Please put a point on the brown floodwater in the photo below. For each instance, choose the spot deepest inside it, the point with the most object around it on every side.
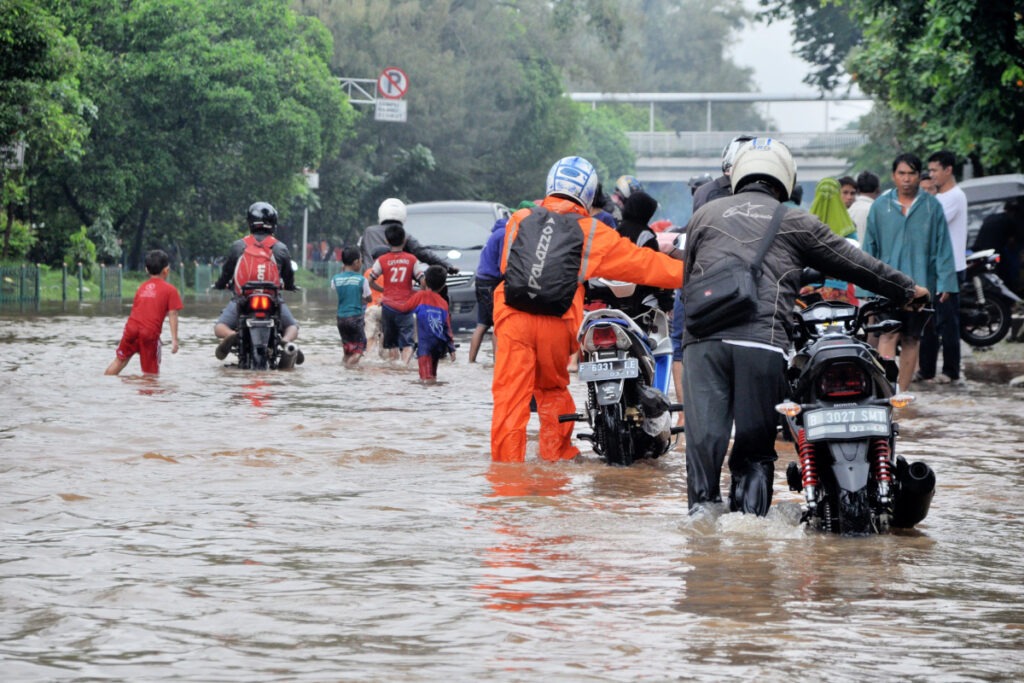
(331, 524)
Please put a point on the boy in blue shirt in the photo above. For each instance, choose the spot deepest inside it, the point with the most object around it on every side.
(353, 294)
(433, 325)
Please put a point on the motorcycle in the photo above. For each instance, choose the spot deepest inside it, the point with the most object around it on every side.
(986, 303)
(258, 342)
(626, 365)
(840, 417)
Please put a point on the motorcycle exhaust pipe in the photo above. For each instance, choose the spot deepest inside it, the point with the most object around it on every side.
(289, 353)
(917, 487)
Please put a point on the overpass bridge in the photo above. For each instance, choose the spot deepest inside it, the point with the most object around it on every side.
(675, 156)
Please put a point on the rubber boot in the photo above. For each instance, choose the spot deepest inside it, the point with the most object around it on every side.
(751, 489)
(224, 347)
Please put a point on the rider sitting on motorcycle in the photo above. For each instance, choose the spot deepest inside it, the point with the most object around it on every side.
(262, 219)
(637, 212)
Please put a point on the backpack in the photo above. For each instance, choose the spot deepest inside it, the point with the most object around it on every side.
(543, 262)
(257, 263)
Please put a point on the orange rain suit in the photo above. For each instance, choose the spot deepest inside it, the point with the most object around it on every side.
(532, 351)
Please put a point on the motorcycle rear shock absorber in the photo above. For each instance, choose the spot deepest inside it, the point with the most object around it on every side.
(808, 467)
(881, 465)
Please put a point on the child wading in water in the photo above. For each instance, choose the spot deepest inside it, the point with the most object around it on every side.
(399, 269)
(433, 325)
(353, 292)
(154, 300)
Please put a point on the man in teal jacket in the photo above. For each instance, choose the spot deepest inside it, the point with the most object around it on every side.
(907, 229)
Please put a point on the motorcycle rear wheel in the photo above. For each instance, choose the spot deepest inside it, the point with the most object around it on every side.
(618, 446)
(992, 323)
(852, 513)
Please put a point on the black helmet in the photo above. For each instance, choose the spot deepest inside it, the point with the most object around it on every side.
(262, 217)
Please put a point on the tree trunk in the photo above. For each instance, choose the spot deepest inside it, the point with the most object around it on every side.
(137, 257)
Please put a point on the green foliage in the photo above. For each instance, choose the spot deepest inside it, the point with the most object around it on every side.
(21, 239)
(81, 250)
(824, 33)
(604, 143)
(949, 72)
(206, 106)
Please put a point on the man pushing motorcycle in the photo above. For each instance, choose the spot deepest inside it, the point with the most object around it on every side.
(257, 257)
(736, 374)
(549, 251)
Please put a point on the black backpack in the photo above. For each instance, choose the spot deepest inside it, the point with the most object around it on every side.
(543, 262)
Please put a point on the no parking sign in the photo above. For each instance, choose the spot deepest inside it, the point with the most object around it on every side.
(392, 84)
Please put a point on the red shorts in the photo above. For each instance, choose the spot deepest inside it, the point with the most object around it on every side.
(132, 342)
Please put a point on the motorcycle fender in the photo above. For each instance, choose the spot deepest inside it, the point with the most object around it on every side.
(994, 284)
(259, 334)
(609, 392)
(850, 464)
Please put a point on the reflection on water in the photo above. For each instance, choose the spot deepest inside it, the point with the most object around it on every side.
(332, 524)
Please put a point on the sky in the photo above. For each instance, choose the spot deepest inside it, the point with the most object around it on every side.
(768, 50)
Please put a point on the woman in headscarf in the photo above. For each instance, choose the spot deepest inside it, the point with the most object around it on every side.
(829, 208)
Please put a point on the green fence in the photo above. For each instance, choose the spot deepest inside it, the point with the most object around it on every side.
(19, 284)
(24, 284)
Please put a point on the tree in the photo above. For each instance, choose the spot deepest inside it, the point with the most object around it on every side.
(824, 33)
(952, 71)
(42, 113)
(949, 72)
(203, 107)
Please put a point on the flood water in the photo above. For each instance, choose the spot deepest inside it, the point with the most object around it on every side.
(331, 524)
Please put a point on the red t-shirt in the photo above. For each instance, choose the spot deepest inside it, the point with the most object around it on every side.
(154, 298)
(398, 268)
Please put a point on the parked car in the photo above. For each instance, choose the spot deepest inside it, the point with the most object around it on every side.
(986, 196)
(456, 231)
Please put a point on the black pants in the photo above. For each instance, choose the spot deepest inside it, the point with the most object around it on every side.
(944, 332)
(726, 384)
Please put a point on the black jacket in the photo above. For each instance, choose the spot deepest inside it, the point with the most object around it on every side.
(735, 226)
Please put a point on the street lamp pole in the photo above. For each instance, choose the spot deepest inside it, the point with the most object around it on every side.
(313, 181)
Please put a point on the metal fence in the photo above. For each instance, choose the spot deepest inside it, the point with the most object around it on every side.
(19, 284)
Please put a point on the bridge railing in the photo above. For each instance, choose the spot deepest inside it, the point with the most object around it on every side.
(702, 144)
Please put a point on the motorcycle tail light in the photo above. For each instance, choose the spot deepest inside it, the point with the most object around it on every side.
(843, 380)
(605, 337)
(260, 302)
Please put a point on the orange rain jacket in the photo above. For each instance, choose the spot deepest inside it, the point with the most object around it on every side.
(532, 351)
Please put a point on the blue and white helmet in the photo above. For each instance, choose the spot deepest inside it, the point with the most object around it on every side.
(573, 178)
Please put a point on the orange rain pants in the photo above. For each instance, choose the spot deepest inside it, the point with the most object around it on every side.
(532, 351)
(532, 360)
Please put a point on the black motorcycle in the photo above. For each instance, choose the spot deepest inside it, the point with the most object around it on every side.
(986, 303)
(842, 395)
(258, 342)
(626, 364)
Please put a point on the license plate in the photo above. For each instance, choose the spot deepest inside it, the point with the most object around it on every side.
(846, 423)
(616, 368)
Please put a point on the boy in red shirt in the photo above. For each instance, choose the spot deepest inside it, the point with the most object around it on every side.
(399, 269)
(154, 300)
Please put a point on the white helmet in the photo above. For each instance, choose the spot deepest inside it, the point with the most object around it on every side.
(573, 178)
(764, 159)
(391, 209)
(729, 153)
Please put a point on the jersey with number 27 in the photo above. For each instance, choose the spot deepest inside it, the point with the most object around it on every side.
(399, 268)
